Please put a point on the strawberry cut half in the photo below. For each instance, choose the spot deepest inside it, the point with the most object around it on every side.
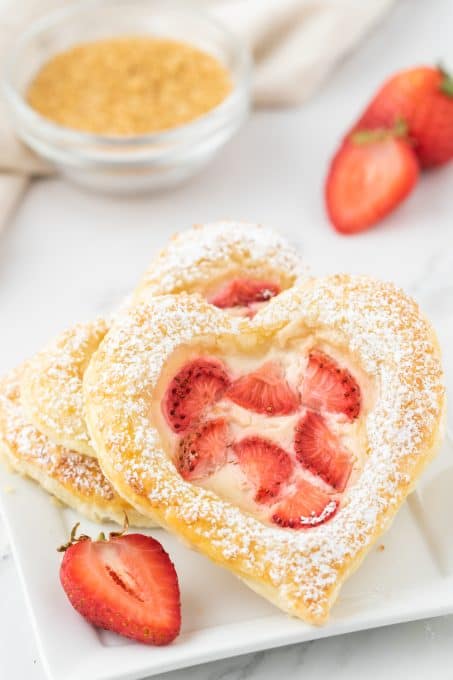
(328, 387)
(198, 384)
(265, 464)
(264, 391)
(305, 507)
(203, 450)
(318, 449)
(243, 293)
(370, 175)
(127, 584)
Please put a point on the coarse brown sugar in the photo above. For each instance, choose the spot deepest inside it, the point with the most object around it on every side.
(128, 85)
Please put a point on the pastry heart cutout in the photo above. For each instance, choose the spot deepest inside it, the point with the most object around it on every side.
(281, 447)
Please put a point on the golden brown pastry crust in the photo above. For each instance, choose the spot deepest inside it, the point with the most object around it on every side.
(72, 478)
(51, 386)
(384, 333)
(199, 259)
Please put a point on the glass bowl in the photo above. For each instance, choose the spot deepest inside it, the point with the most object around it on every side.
(126, 164)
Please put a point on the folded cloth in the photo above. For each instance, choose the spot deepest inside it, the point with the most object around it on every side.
(17, 163)
(4, 545)
(12, 186)
(295, 44)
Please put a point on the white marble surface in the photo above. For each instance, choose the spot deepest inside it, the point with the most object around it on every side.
(69, 255)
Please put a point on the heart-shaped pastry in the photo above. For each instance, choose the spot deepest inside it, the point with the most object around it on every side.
(281, 448)
(74, 479)
(237, 266)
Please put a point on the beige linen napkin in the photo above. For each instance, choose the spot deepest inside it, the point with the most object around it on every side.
(295, 44)
(17, 163)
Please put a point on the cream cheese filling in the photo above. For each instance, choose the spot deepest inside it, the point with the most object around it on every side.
(229, 482)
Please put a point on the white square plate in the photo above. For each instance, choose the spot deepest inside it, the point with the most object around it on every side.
(408, 575)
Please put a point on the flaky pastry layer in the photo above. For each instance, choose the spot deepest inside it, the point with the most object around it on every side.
(51, 386)
(74, 479)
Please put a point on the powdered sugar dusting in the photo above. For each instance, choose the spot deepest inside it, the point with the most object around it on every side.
(52, 385)
(194, 257)
(390, 341)
(26, 443)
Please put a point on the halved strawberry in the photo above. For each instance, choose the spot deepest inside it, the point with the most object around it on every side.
(198, 384)
(264, 391)
(203, 450)
(327, 386)
(126, 584)
(370, 175)
(319, 450)
(265, 465)
(306, 506)
(244, 292)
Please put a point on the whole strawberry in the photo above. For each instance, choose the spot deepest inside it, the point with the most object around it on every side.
(126, 584)
(423, 98)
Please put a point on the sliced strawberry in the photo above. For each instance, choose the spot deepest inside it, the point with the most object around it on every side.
(319, 451)
(198, 384)
(307, 506)
(264, 391)
(327, 386)
(244, 292)
(127, 584)
(203, 450)
(371, 174)
(266, 466)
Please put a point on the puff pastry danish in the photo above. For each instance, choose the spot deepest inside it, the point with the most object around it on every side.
(238, 266)
(74, 479)
(280, 447)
